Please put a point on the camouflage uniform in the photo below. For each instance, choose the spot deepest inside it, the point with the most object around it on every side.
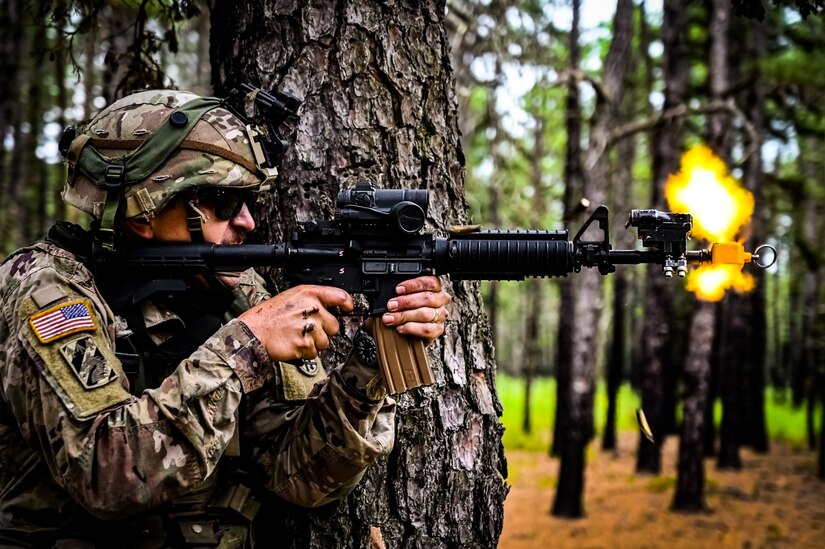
(87, 459)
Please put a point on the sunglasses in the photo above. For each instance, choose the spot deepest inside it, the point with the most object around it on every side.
(227, 203)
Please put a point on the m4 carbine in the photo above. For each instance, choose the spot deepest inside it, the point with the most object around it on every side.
(375, 241)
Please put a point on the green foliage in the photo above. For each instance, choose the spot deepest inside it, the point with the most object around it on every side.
(785, 422)
(543, 406)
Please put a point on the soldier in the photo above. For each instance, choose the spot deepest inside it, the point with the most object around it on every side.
(138, 413)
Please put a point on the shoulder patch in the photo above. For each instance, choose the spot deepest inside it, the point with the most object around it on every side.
(298, 381)
(87, 362)
(81, 369)
(48, 295)
(62, 320)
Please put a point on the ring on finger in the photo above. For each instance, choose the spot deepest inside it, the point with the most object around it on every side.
(436, 315)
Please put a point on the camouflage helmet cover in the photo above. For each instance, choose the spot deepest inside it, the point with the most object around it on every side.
(219, 155)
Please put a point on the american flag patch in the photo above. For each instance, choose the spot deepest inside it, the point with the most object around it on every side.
(66, 318)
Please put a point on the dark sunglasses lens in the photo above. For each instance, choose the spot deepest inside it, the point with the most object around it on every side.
(228, 204)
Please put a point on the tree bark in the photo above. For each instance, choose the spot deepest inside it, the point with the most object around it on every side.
(379, 105)
(658, 294)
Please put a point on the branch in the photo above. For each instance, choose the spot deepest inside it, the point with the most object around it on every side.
(576, 76)
(681, 111)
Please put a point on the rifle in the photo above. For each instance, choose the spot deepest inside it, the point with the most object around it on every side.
(375, 241)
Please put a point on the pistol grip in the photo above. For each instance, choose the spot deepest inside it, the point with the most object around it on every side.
(403, 359)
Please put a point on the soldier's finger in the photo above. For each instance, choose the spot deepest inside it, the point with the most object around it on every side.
(321, 340)
(420, 284)
(424, 315)
(334, 297)
(427, 331)
(419, 299)
(329, 323)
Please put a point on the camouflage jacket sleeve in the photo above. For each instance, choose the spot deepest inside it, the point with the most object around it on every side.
(115, 453)
(312, 435)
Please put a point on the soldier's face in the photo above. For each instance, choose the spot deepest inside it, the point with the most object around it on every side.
(170, 226)
(231, 231)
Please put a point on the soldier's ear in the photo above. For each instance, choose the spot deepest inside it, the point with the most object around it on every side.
(138, 227)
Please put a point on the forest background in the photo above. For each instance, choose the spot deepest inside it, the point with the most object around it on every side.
(562, 104)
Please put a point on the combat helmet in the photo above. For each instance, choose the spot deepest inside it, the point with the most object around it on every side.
(141, 151)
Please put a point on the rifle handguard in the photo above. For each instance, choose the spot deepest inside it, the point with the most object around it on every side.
(403, 360)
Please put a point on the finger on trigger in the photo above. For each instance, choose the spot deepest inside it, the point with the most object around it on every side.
(335, 297)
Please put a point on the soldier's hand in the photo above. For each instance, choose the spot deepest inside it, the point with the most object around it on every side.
(296, 324)
(419, 309)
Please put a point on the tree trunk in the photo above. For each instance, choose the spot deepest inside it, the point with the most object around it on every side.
(615, 360)
(617, 354)
(379, 105)
(60, 67)
(20, 167)
(11, 43)
(821, 458)
(203, 74)
(729, 382)
(534, 287)
(33, 213)
(495, 195)
(573, 186)
(756, 428)
(713, 386)
(658, 294)
(116, 22)
(698, 412)
(588, 300)
(811, 168)
(532, 355)
(690, 483)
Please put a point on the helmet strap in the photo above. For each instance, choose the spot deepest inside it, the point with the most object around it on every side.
(195, 222)
(113, 182)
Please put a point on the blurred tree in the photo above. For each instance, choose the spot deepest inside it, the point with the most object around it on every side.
(667, 142)
(12, 60)
(690, 485)
(573, 187)
(579, 428)
(534, 288)
(755, 432)
(625, 157)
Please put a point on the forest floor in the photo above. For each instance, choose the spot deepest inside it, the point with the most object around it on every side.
(776, 500)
